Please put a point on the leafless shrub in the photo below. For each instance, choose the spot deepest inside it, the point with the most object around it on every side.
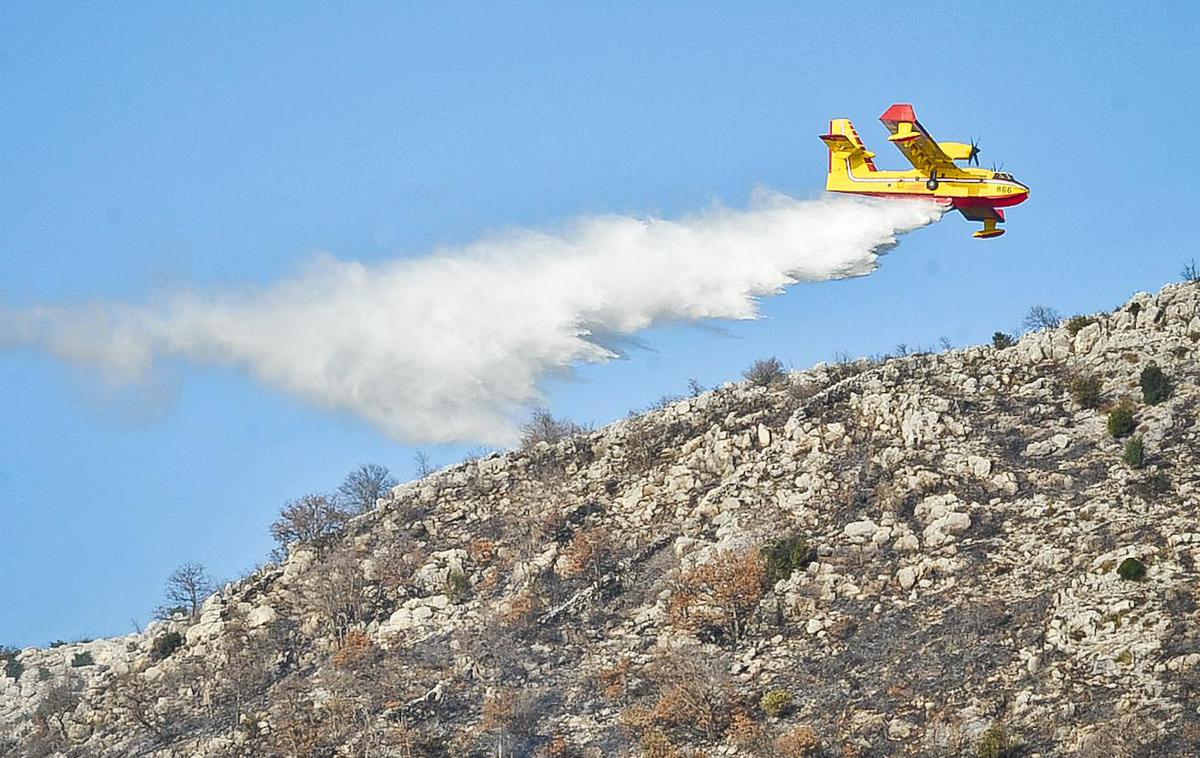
(1041, 317)
(745, 732)
(1190, 273)
(642, 444)
(798, 742)
(298, 727)
(356, 651)
(422, 465)
(482, 551)
(614, 681)
(765, 372)
(694, 698)
(521, 611)
(363, 486)
(156, 705)
(511, 713)
(543, 427)
(802, 390)
(395, 561)
(236, 680)
(339, 593)
(55, 711)
(313, 519)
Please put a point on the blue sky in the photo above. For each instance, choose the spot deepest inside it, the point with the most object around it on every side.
(145, 147)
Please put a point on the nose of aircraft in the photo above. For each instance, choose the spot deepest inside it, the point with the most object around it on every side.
(1022, 195)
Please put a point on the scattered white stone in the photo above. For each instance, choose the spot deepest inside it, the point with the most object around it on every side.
(261, 616)
(856, 529)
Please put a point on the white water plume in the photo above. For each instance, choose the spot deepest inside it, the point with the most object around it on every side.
(452, 346)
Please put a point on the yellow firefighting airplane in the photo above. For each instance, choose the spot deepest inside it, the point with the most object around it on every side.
(977, 193)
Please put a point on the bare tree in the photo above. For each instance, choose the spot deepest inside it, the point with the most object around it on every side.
(314, 519)
(187, 587)
(695, 388)
(364, 485)
(1042, 317)
(424, 467)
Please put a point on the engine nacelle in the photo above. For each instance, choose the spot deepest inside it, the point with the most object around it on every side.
(958, 151)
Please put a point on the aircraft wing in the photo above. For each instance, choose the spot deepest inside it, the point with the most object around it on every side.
(921, 150)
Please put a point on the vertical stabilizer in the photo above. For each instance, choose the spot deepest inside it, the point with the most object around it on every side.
(847, 153)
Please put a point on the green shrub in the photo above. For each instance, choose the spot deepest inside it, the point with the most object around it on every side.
(1085, 391)
(12, 667)
(1131, 569)
(1076, 323)
(82, 659)
(1134, 309)
(165, 644)
(1135, 452)
(784, 556)
(776, 703)
(58, 643)
(1120, 420)
(1000, 340)
(1156, 387)
(457, 586)
(765, 372)
(996, 743)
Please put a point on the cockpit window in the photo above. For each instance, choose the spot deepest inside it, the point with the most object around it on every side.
(1002, 175)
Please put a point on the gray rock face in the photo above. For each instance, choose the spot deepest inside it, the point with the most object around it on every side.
(953, 524)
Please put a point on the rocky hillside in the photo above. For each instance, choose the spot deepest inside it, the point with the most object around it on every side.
(985, 552)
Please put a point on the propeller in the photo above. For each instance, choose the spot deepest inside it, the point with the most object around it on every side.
(974, 156)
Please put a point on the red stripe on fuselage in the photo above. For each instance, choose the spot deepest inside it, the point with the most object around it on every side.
(998, 201)
(1002, 201)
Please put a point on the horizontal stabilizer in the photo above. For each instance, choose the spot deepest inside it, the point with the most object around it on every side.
(837, 141)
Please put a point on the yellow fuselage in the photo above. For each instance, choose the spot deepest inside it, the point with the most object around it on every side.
(965, 188)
